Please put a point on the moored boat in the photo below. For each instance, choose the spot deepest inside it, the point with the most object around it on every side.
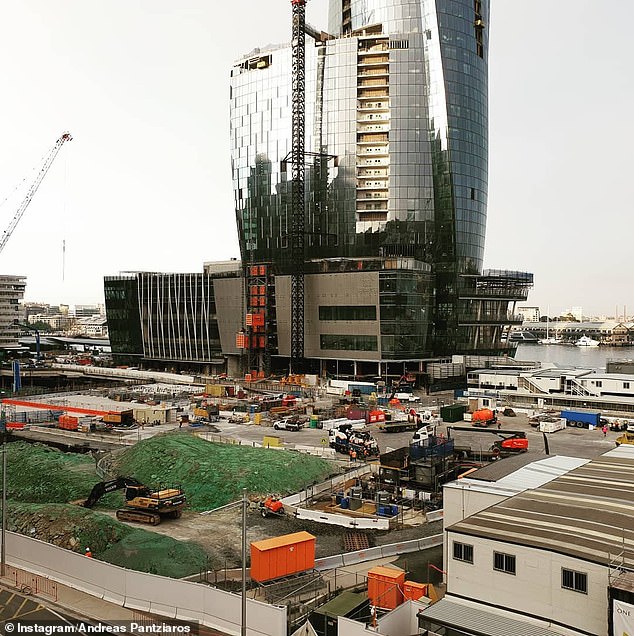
(585, 341)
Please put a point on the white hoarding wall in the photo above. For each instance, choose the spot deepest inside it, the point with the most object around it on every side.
(160, 595)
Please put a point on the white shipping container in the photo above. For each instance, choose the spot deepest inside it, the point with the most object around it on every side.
(551, 426)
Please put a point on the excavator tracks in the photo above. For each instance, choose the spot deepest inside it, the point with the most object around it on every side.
(139, 516)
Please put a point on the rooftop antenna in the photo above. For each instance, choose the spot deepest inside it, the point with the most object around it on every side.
(63, 258)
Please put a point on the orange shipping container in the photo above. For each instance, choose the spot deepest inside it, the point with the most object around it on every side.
(68, 422)
(385, 587)
(413, 591)
(281, 556)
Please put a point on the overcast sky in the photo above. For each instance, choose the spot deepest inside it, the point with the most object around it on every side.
(142, 85)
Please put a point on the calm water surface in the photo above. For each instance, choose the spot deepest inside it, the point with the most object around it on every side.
(571, 356)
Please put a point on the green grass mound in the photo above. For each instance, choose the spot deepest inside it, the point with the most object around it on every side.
(214, 474)
(40, 474)
(155, 553)
(76, 528)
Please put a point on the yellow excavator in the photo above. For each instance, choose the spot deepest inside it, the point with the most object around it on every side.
(142, 504)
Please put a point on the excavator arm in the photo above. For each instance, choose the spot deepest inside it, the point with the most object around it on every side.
(104, 487)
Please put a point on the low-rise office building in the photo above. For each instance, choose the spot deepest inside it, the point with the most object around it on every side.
(549, 546)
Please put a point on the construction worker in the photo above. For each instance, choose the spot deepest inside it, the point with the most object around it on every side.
(353, 455)
(88, 553)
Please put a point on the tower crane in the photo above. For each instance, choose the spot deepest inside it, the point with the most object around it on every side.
(298, 42)
(48, 161)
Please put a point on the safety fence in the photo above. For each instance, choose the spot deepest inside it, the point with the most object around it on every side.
(28, 583)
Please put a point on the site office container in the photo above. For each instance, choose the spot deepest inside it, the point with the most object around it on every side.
(453, 412)
(119, 417)
(385, 587)
(68, 422)
(281, 556)
(412, 591)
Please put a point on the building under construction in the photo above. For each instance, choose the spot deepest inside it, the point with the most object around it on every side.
(359, 164)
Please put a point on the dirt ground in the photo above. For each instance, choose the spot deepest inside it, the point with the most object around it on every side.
(219, 533)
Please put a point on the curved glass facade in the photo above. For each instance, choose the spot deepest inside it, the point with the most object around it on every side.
(397, 149)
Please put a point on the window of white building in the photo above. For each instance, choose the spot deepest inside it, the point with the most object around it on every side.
(576, 581)
(504, 562)
(463, 552)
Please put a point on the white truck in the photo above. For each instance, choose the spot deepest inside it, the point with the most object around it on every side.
(288, 424)
(422, 435)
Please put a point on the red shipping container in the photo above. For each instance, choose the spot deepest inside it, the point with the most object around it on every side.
(281, 556)
(385, 587)
(412, 591)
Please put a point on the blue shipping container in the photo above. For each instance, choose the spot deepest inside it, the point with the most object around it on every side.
(581, 419)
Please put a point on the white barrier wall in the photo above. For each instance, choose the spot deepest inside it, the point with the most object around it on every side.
(350, 558)
(127, 374)
(172, 598)
(342, 520)
(292, 503)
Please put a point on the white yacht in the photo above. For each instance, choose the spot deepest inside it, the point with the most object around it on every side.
(550, 340)
(584, 341)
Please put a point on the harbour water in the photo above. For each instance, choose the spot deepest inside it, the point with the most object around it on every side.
(569, 356)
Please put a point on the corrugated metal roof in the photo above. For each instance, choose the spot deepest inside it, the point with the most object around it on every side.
(479, 620)
(592, 503)
(508, 484)
(342, 604)
(285, 539)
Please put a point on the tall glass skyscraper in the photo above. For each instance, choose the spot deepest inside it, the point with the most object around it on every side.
(396, 165)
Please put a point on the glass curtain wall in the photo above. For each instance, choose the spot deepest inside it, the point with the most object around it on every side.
(178, 317)
(122, 312)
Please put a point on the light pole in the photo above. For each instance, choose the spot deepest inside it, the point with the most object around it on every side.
(3, 555)
(245, 503)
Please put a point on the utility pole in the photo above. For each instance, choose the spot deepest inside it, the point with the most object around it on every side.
(3, 551)
(245, 503)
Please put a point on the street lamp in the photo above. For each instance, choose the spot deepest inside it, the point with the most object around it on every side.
(3, 560)
(245, 503)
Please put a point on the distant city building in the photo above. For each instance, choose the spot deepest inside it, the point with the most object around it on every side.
(95, 326)
(577, 312)
(57, 322)
(11, 294)
(87, 311)
(529, 314)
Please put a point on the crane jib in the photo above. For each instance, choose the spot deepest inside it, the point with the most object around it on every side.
(48, 161)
